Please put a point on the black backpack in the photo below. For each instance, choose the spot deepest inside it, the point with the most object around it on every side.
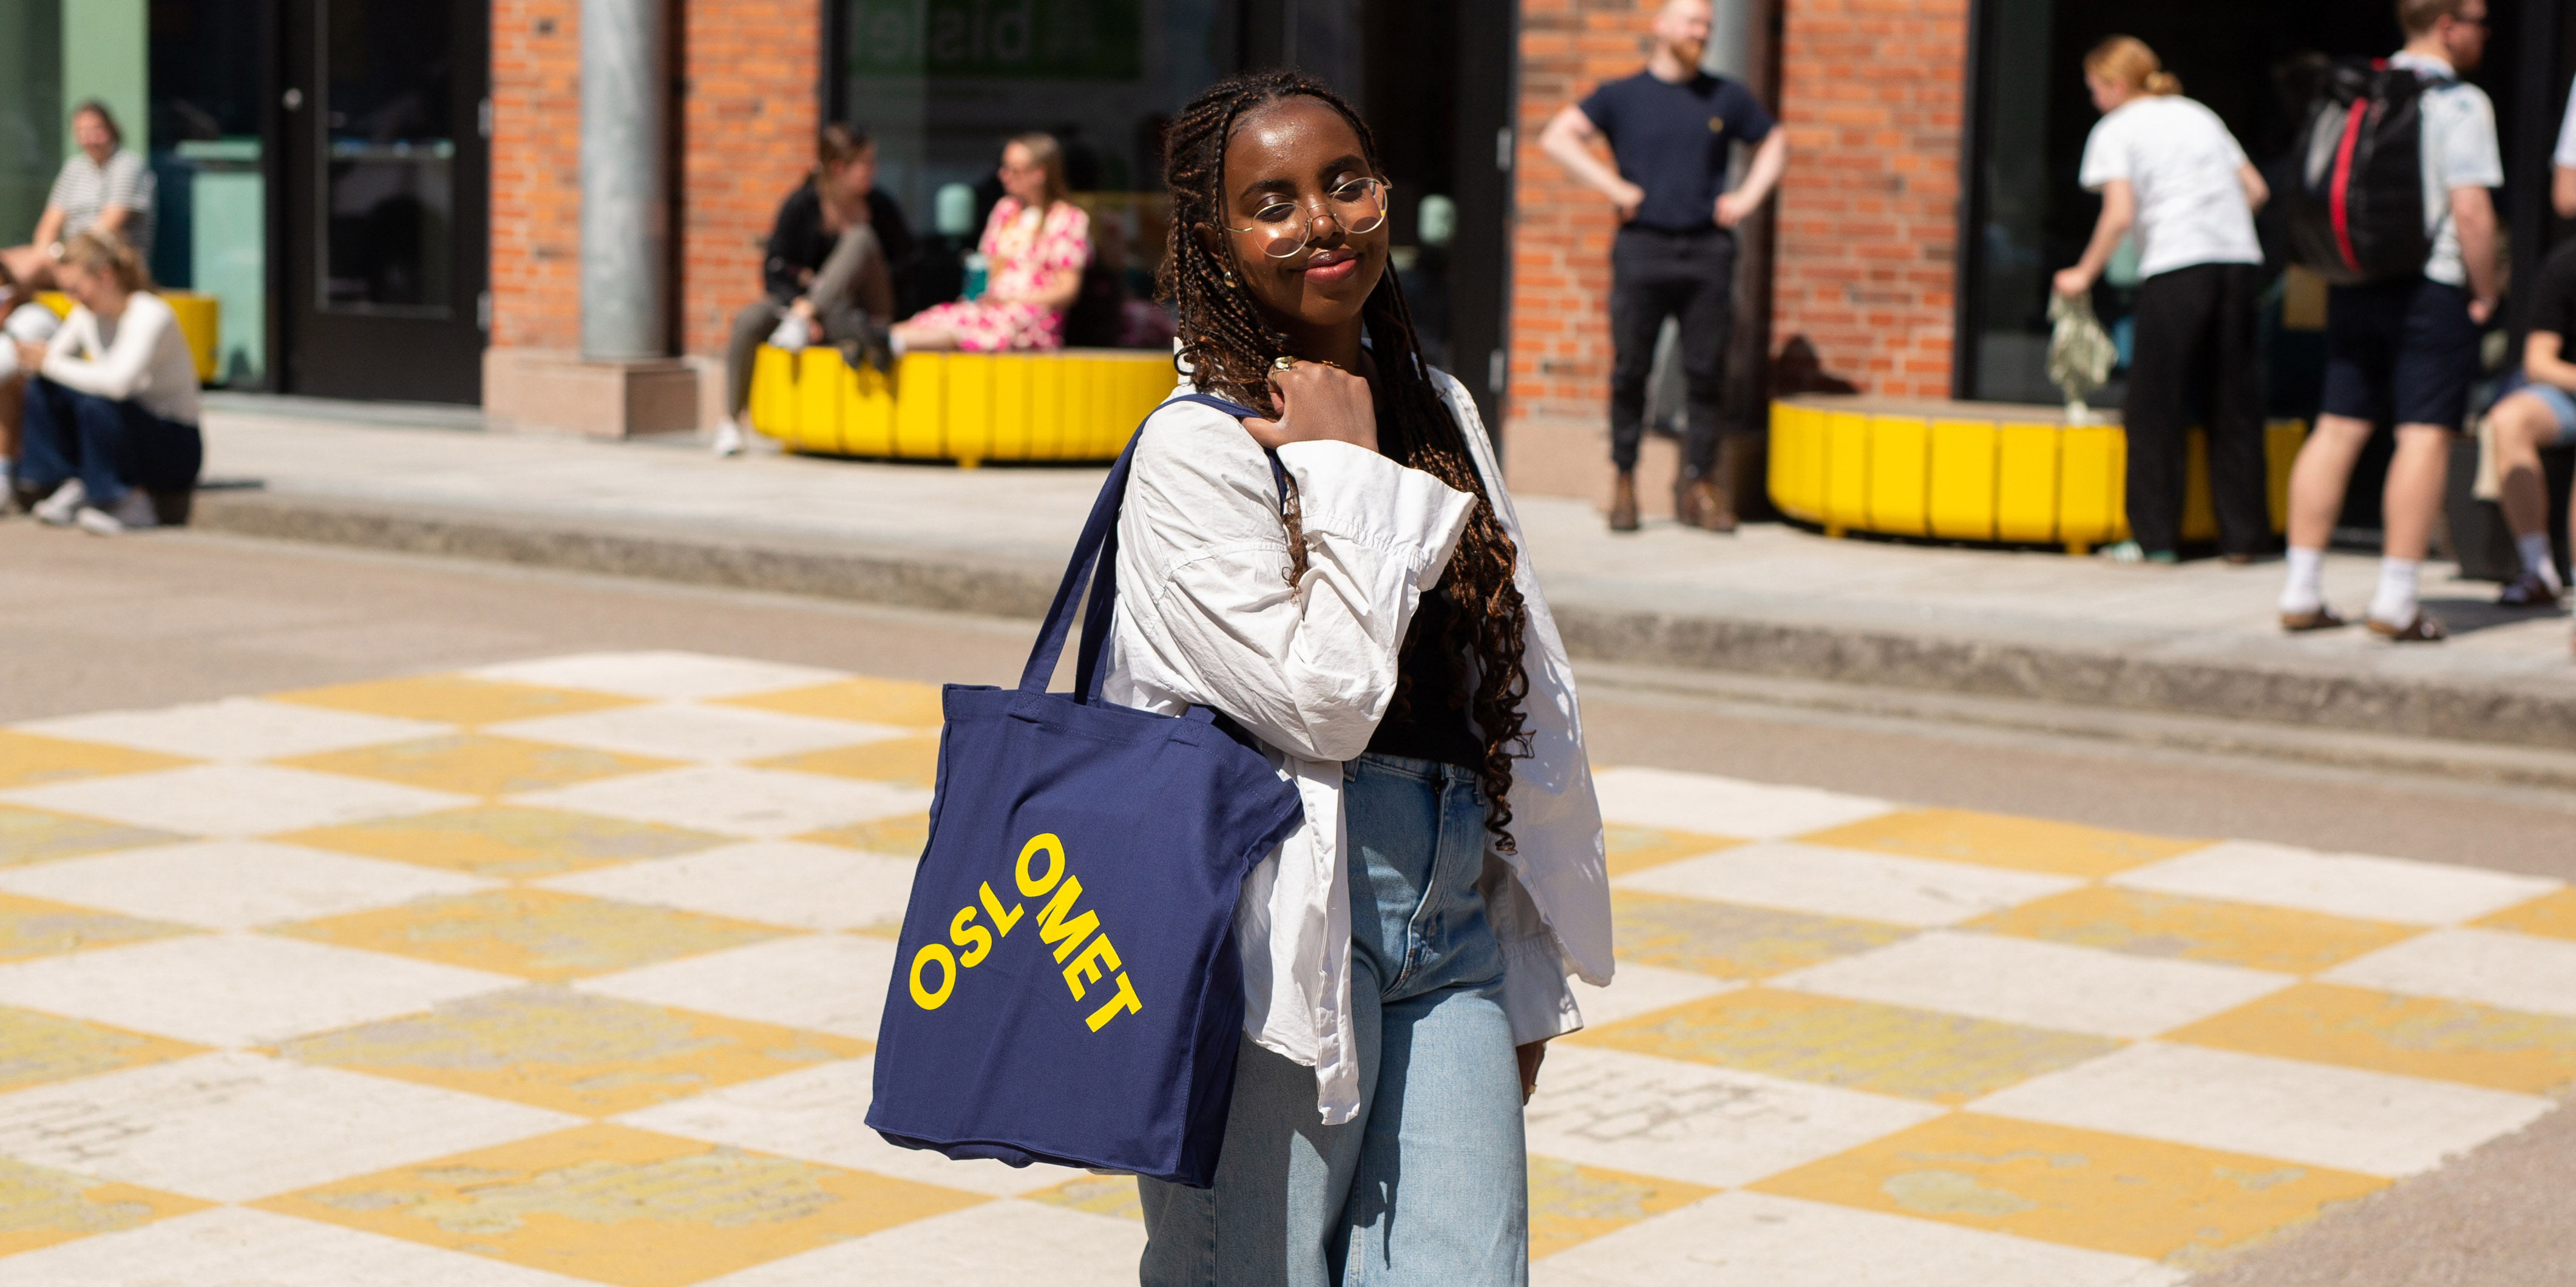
(2356, 209)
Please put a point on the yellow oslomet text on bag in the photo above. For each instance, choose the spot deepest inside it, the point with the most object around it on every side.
(1088, 958)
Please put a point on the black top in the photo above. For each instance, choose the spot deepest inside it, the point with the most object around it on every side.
(2553, 299)
(1670, 139)
(1428, 720)
(797, 241)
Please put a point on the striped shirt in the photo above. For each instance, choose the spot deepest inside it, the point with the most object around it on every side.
(85, 188)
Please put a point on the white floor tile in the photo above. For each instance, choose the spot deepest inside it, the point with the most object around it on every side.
(998, 1242)
(235, 799)
(233, 1126)
(1848, 882)
(819, 1114)
(1695, 1122)
(2044, 985)
(832, 983)
(1716, 806)
(764, 803)
(2386, 889)
(2375, 1123)
(2489, 967)
(238, 729)
(666, 675)
(682, 731)
(776, 882)
(239, 1247)
(1757, 1240)
(234, 884)
(236, 989)
(1642, 989)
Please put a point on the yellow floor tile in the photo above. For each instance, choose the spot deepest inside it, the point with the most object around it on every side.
(506, 842)
(2417, 1036)
(454, 699)
(873, 701)
(1570, 1204)
(903, 761)
(1734, 942)
(2000, 840)
(40, 1206)
(27, 759)
(33, 835)
(2195, 929)
(38, 1048)
(1637, 848)
(621, 1206)
(35, 927)
(2553, 915)
(2081, 1188)
(1893, 1050)
(479, 764)
(560, 1049)
(1109, 1195)
(903, 837)
(534, 933)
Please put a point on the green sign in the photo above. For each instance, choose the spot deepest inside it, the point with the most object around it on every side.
(1012, 39)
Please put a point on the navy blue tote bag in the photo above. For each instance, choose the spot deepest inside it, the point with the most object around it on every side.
(1066, 989)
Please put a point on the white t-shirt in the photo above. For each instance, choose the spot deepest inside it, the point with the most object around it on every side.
(2459, 152)
(2566, 154)
(2181, 164)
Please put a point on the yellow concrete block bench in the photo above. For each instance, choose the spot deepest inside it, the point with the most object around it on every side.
(1068, 405)
(198, 318)
(1980, 471)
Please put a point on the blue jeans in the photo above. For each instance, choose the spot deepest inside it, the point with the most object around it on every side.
(112, 447)
(1429, 1183)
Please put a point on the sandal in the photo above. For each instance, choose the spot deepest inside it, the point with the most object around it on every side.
(2423, 629)
(2319, 617)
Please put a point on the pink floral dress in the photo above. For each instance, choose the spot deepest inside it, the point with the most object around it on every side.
(1019, 249)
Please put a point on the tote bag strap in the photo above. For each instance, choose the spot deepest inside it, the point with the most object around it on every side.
(1095, 563)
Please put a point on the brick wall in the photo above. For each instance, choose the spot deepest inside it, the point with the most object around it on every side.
(747, 125)
(1873, 93)
(536, 173)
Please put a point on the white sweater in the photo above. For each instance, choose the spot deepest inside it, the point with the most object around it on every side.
(140, 356)
(1205, 617)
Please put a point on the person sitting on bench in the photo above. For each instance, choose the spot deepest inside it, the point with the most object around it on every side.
(101, 186)
(111, 414)
(1036, 244)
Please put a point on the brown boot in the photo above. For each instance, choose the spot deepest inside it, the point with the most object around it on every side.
(1623, 503)
(1685, 498)
(1709, 506)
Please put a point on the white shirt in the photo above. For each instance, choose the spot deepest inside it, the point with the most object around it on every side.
(2459, 152)
(142, 355)
(84, 189)
(1206, 617)
(2565, 156)
(2181, 163)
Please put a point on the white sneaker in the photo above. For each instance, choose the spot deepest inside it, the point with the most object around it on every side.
(60, 508)
(728, 437)
(791, 335)
(132, 512)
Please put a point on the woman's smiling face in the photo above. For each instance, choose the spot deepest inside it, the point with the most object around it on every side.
(1282, 165)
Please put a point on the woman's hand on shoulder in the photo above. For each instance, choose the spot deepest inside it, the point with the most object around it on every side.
(1317, 403)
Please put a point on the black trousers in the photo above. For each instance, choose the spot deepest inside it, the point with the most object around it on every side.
(2195, 327)
(1655, 275)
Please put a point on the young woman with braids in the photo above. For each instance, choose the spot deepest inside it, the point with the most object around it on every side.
(1380, 634)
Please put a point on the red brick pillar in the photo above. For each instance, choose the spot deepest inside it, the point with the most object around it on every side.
(536, 174)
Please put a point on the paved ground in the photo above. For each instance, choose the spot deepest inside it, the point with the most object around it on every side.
(1863, 1041)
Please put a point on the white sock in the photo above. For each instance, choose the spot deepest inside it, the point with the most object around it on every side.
(894, 343)
(2536, 559)
(2395, 601)
(2304, 591)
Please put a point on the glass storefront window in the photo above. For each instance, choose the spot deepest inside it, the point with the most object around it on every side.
(391, 189)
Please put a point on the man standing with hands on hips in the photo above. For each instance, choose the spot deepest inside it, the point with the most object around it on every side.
(1669, 127)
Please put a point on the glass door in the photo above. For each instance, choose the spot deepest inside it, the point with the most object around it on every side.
(386, 224)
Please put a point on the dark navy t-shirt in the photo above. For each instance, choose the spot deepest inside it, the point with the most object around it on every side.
(1670, 139)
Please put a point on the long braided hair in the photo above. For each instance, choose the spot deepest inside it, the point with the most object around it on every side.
(1228, 348)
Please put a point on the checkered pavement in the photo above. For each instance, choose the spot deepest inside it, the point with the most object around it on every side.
(568, 971)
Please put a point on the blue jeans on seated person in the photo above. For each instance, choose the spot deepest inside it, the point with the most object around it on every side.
(1429, 1184)
(2562, 405)
(112, 447)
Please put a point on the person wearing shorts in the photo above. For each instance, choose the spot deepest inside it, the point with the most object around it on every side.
(2538, 412)
(2406, 350)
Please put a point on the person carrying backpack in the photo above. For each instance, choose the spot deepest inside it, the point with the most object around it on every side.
(2403, 346)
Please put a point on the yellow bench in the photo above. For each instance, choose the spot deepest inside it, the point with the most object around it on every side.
(1069, 405)
(1981, 472)
(198, 317)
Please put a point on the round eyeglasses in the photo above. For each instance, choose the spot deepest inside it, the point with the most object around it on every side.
(1284, 227)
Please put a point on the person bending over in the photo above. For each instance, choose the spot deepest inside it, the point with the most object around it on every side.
(1036, 244)
(112, 411)
(100, 186)
(827, 275)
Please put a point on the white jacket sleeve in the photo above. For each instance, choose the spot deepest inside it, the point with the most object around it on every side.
(125, 366)
(1203, 560)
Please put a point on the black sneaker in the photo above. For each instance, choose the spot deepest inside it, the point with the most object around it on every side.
(2528, 591)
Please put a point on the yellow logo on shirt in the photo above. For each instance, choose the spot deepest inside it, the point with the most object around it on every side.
(1717, 125)
(1057, 924)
